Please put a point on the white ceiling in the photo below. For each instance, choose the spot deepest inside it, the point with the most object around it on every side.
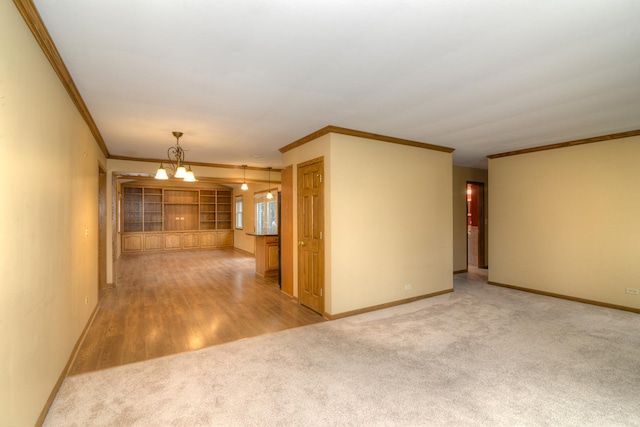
(243, 78)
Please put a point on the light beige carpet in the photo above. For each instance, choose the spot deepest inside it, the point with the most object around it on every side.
(480, 356)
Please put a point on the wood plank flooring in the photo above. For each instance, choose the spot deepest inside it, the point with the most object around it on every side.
(168, 303)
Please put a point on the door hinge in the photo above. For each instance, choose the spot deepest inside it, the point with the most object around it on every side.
(321, 235)
(320, 291)
(320, 177)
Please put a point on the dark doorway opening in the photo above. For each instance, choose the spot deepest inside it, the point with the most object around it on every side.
(475, 225)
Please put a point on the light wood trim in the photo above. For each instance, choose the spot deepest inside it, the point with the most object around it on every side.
(102, 227)
(286, 231)
(311, 281)
(39, 31)
(385, 305)
(65, 371)
(310, 162)
(566, 297)
(361, 134)
(567, 144)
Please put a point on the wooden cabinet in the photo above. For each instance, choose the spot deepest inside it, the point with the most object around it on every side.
(215, 209)
(224, 238)
(208, 240)
(160, 218)
(272, 255)
(223, 204)
(173, 241)
(267, 255)
(176, 240)
(153, 242)
(190, 240)
(152, 209)
(132, 201)
(132, 243)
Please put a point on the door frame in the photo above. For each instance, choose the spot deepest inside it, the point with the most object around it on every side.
(321, 240)
(102, 228)
(481, 222)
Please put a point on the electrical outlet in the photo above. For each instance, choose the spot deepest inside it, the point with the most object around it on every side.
(407, 287)
(86, 300)
(633, 291)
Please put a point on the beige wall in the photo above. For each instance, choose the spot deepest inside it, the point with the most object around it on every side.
(566, 221)
(391, 225)
(460, 178)
(49, 193)
(388, 220)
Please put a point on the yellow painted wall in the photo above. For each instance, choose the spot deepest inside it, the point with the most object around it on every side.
(566, 221)
(388, 220)
(460, 178)
(49, 198)
(391, 222)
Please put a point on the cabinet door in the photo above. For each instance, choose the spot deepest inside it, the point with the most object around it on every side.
(208, 240)
(225, 238)
(153, 242)
(190, 240)
(173, 241)
(132, 243)
(272, 256)
(181, 217)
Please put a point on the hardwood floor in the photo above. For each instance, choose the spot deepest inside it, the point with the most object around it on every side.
(168, 303)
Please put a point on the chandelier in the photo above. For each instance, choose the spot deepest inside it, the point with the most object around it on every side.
(176, 161)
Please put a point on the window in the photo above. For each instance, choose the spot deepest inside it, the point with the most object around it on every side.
(266, 213)
(239, 212)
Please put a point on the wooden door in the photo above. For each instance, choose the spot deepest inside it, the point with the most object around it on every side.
(310, 234)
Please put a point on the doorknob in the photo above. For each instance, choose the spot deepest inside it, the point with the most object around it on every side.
(300, 243)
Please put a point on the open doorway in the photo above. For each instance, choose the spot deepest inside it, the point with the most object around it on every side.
(475, 225)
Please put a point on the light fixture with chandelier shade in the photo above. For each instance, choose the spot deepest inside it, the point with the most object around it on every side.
(176, 160)
(244, 185)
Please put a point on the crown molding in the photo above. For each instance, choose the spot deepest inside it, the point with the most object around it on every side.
(567, 144)
(351, 132)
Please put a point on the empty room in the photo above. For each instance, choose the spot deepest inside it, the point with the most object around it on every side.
(319, 213)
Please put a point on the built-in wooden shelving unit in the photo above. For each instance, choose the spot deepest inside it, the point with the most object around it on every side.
(157, 218)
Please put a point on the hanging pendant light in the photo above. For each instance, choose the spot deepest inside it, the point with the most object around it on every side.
(269, 195)
(244, 186)
(181, 172)
(161, 173)
(190, 177)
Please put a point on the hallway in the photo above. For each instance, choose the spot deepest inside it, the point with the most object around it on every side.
(172, 302)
